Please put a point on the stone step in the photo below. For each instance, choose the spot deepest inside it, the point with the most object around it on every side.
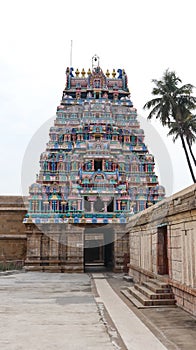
(153, 295)
(131, 298)
(138, 304)
(155, 288)
(147, 301)
(160, 284)
(128, 278)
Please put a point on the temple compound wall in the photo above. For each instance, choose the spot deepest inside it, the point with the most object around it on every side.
(163, 245)
(12, 229)
(73, 248)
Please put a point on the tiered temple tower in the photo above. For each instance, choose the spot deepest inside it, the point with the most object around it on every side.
(96, 172)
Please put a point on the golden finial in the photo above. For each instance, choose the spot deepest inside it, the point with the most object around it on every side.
(89, 72)
(83, 72)
(113, 73)
(77, 72)
(123, 72)
(29, 220)
(107, 73)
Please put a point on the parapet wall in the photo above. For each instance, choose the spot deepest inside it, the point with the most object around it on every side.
(163, 245)
(12, 230)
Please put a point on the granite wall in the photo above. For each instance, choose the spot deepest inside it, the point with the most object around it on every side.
(13, 241)
(163, 245)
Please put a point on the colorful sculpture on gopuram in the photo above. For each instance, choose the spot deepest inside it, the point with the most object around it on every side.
(96, 167)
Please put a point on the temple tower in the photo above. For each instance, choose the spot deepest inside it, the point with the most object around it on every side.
(95, 174)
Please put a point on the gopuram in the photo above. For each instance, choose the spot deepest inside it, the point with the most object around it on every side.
(95, 174)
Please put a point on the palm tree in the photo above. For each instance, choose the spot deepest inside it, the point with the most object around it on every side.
(187, 122)
(171, 105)
(189, 129)
(162, 106)
(177, 130)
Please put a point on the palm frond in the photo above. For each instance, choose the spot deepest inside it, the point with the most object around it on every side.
(152, 103)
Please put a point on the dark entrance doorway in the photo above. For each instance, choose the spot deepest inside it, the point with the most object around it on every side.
(94, 251)
(98, 248)
(98, 164)
(162, 251)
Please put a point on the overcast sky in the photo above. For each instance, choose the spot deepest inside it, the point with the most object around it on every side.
(143, 37)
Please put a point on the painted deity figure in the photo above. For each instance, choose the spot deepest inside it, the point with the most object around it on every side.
(45, 166)
(89, 166)
(53, 166)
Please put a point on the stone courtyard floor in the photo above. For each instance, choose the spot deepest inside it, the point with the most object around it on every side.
(46, 311)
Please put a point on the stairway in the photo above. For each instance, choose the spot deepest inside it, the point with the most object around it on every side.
(152, 293)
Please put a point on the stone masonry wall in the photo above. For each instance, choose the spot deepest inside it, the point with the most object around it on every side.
(177, 214)
(12, 230)
(54, 248)
(121, 248)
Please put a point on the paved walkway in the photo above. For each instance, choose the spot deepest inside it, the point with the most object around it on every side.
(41, 311)
(134, 333)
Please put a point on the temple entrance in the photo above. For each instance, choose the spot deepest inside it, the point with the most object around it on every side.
(162, 251)
(98, 248)
(94, 250)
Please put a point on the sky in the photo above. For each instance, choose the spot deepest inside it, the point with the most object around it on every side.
(142, 37)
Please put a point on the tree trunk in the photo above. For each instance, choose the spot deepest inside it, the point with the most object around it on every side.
(191, 152)
(187, 158)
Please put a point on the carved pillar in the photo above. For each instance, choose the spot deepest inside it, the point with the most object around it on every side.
(92, 199)
(92, 207)
(54, 247)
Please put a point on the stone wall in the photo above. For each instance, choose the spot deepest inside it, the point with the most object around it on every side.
(163, 245)
(12, 230)
(121, 249)
(54, 248)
